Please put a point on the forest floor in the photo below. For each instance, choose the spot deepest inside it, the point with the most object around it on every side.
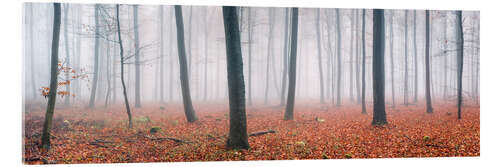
(80, 135)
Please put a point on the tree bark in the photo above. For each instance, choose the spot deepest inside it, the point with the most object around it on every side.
(339, 59)
(269, 52)
(137, 59)
(186, 94)
(96, 57)
(415, 97)
(427, 64)
(460, 62)
(238, 137)
(379, 116)
(292, 72)
(286, 45)
(363, 81)
(47, 125)
(320, 68)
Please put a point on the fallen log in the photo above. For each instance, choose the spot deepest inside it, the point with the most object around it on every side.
(168, 138)
(261, 133)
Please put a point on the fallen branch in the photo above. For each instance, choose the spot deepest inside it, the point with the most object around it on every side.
(168, 138)
(261, 133)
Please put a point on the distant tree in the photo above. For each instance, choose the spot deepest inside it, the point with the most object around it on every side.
(318, 44)
(249, 24)
(460, 63)
(66, 46)
(137, 58)
(96, 57)
(47, 125)
(406, 60)
(363, 64)
(339, 58)
(427, 63)
(286, 46)
(292, 72)
(391, 53)
(238, 138)
(162, 54)
(415, 97)
(269, 53)
(379, 116)
(121, 66)
(186, 94)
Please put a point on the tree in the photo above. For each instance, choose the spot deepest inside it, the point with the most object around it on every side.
(415, 97)
(121, 66)
(460, 63)
(54, 60)
(96, 57)
(391, 53)
(66, 46)
(379, 116)
(162, 54)
(318, 39)
(363, 64)
(186, 94)
(339, 59)
(206, 55)
(427, 64)
(406, 60)
(32, 50)
(269, 52)
(292, 72)
(238, 138)
(286, 45)
(137, 59)
(249, 24)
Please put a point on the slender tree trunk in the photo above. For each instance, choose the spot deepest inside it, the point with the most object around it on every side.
(358, 93)
(137, 59)
(189, 50)
(32, 52)
(249, 56)
(339, 59)
(445, 54)
(427, 63)
(238, 138)
(406, 60)
(269, 52)
(320, 68)
(47, 125)
(415, 97)
(162, 54)
(292, 72)
(379, 116)
(66, 50)
(186, 94)
(108, 75)
(460, 62)
(331, 58)
(285, 57)
(391, 53)
(129, 113)
(351, 77)
(363, 82)
(206, 56)
(96, 57)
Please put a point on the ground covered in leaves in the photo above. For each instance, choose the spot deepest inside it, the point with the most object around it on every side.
(162, 134)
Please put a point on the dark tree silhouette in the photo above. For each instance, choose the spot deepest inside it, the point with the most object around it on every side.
(460, 63)
(293, 63)
(186, 95)
(47, 125)
(379, 116)
(238, 138)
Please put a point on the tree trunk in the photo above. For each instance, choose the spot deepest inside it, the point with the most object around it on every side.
(269, 52)
(66, 46)
(320, 68)
(293, 57)
(249, 56)
(285, 57)
(47, 125)
(339, 59)
(427, 63)
(186, 94)
(351, 74)
(391, 53)
(96, 57)
(162, 54)
(379, 116)
(358, 93)
(32, 53)
(406, 60)
(363, 82)
(238, 138)
(137, 59)
(206, 56)
(415, 97)
(129, 113)
(460, 62)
